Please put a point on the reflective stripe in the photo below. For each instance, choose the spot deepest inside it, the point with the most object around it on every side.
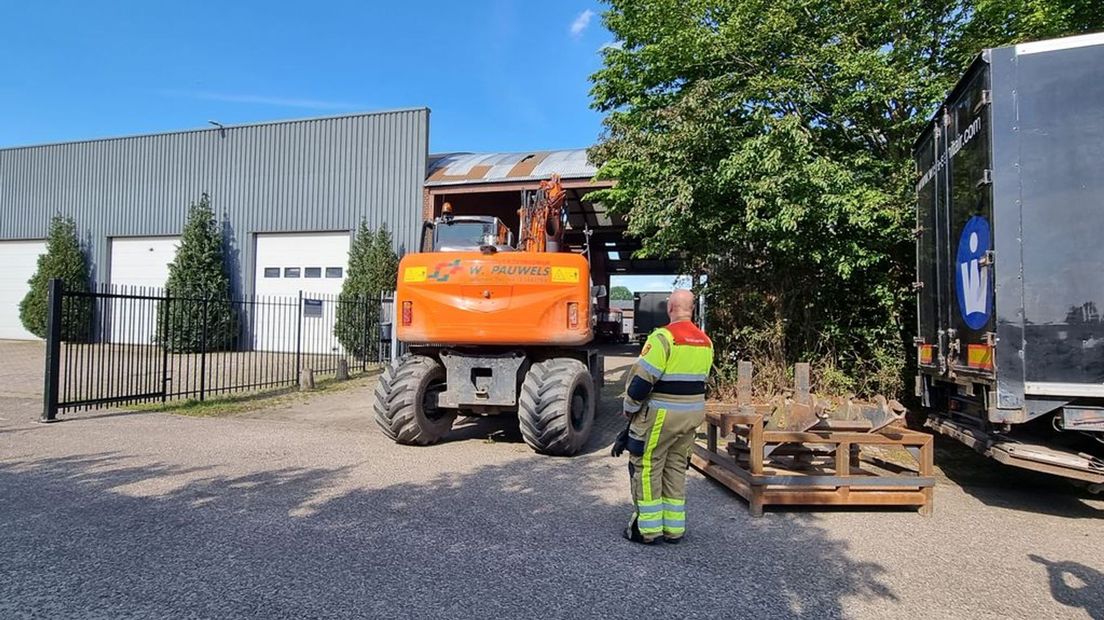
(666, 404)
(685, 377)
(673, 502)
(650, 369)
(653, 439)
(674, 530)
(674, 521)
(664, 338)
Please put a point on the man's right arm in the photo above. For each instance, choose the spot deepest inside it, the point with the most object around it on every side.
(645, 372)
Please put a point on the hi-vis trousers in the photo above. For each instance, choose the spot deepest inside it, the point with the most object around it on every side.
(660, 440)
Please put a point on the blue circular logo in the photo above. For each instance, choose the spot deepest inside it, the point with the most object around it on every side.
(973, 281)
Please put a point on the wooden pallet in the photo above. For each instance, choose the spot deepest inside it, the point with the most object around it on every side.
(842, 479)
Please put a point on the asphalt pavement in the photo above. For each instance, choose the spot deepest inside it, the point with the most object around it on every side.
(303, 509)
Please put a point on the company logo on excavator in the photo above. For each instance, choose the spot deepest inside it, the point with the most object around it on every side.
(511, 272)
(444, 270)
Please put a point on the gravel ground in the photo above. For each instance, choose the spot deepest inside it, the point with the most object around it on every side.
(303, 509)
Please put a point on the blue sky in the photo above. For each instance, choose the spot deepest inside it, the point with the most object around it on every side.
(497, 74)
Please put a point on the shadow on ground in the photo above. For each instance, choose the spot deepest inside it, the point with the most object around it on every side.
(1004, 486)
(103, 535)
(1075, 585)
(504, 428)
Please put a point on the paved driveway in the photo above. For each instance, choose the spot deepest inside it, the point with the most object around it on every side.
(305, 510)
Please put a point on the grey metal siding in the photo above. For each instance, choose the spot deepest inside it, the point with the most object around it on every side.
(297, 176)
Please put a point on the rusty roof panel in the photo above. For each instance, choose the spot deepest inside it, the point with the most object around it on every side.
(474, 168)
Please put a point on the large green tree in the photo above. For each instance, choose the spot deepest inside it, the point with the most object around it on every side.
(620, 293)
(64, 259)
(771, 141)
(200, 314)
(373, 267)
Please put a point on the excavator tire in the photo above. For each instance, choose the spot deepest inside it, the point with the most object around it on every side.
(406, 401)
(556, 406)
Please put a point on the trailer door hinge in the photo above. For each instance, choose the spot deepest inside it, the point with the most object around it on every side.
(918, 232)
(916, 286)
(988, 259)
(990, 339)
(986, 178)
(985, 99)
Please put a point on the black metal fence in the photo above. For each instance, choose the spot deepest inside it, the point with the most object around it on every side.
(128, 345)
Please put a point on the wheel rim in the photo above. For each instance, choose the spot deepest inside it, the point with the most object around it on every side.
(578, 408)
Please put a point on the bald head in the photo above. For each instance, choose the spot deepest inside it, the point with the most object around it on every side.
(680, 306)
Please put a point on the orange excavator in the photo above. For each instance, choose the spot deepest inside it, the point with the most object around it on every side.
(495, 328)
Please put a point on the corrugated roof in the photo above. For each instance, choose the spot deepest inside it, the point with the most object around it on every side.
(471, 168)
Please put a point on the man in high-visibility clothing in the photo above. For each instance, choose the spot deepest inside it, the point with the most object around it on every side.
(665, 401)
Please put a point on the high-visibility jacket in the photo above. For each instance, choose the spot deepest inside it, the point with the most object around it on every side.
(671, 372)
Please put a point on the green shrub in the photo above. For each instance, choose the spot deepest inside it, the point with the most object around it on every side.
(65, 260)
(373, 267)
(199, 286)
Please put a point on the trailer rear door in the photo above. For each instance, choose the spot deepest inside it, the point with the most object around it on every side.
(1060, 106)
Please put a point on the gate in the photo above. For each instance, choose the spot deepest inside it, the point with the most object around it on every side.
(123, 346)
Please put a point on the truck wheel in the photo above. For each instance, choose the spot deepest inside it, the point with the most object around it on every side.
(406, 401)
(556, 407)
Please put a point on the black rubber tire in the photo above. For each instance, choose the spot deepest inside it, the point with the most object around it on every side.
(552, 389)
(401, 409)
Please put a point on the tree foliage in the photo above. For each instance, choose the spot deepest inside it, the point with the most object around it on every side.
(200, 314)
(770, 140)
(373, 267)
(64, 259)
(620, 293)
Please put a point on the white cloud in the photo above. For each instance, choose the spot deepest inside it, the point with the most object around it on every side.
(283, 102)
(581, 22)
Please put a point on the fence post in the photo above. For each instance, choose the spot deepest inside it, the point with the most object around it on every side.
(299, 338)
(365, 331)
(53, 351)
(203, 353)
(165, 339)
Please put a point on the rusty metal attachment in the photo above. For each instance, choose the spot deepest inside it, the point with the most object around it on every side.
(805, 449)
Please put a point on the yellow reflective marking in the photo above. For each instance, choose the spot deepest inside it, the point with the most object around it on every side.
(565, 274)
(414, 274)
(653, 439)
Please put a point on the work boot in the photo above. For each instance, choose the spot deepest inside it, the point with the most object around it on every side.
(672, 540)
(633, 534)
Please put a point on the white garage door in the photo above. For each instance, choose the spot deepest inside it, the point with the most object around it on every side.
(142, 261)
(287, 263)
(137, 262)
(18, 260)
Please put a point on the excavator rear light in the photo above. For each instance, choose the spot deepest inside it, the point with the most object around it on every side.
(407, 313)
(572, 314)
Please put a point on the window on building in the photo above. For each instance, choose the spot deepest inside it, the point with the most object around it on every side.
(272, 272)
(312, 272)
(334, 272)
(291, 272)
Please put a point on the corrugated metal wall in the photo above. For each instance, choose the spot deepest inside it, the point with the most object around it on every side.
(309, 175)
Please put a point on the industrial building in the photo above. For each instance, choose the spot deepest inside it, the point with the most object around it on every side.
(289, 195)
